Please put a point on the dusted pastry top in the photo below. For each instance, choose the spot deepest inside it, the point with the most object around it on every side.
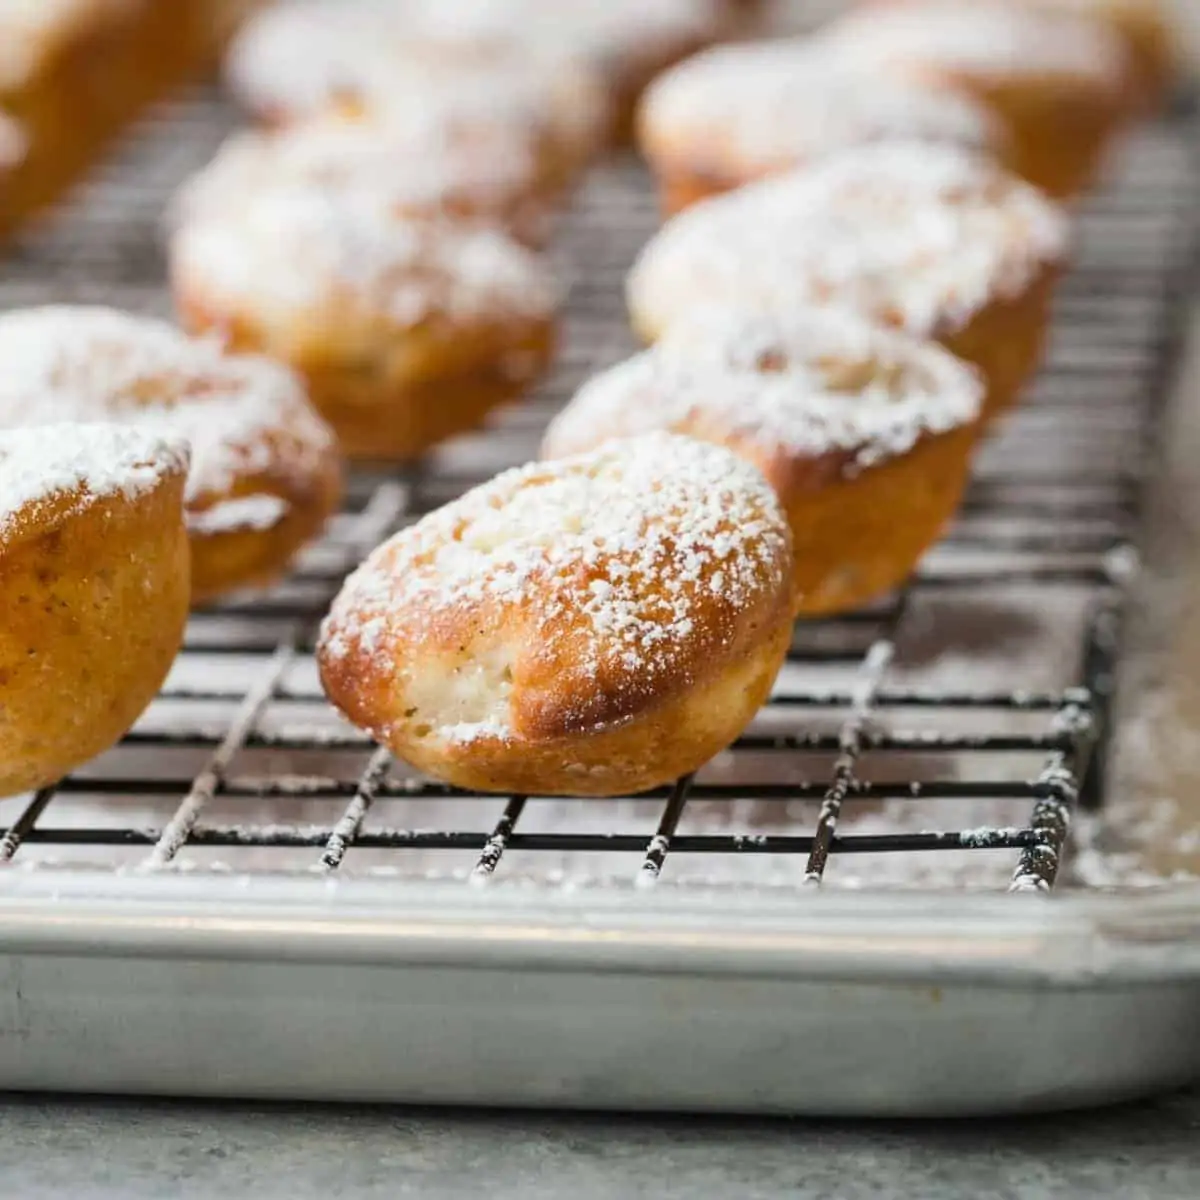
(300, 248)
(780, 101)
(797, 384)
(633, 558)
(78, 465)
(914, 235)
(240, 414)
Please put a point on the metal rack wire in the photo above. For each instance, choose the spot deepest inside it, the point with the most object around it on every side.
(875, 713)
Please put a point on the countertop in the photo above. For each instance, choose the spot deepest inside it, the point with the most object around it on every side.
(97, 1149)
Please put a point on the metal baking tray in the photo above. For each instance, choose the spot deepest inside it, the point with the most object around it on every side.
(845, 913)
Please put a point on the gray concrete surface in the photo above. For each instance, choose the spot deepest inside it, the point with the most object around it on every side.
(104, 1150)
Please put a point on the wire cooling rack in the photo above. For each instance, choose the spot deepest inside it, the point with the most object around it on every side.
(967, 716)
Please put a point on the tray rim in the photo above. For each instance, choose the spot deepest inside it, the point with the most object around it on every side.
(1078, 939)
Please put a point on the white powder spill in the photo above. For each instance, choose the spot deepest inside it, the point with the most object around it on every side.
(918, 235)
(804, 383)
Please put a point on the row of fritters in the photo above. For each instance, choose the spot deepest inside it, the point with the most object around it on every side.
(675, 617)
(141, 471)
(348, 240)
(599, 622)
(610, 618)
(408, 331)
(377, 232)
(596, 624)
(1042, 84)
(377, 248)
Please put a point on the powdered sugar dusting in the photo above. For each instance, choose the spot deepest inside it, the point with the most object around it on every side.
(452, 87)
(414, 170)
(295, 61)
(983, 37)
(466, 732)
(918, 235)
(293, 57)
(305, 247)
(609, 33)
(615, 551)
(90, 462)
(804, 383)
(241, 415)
(245, 513)
(778, 101)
